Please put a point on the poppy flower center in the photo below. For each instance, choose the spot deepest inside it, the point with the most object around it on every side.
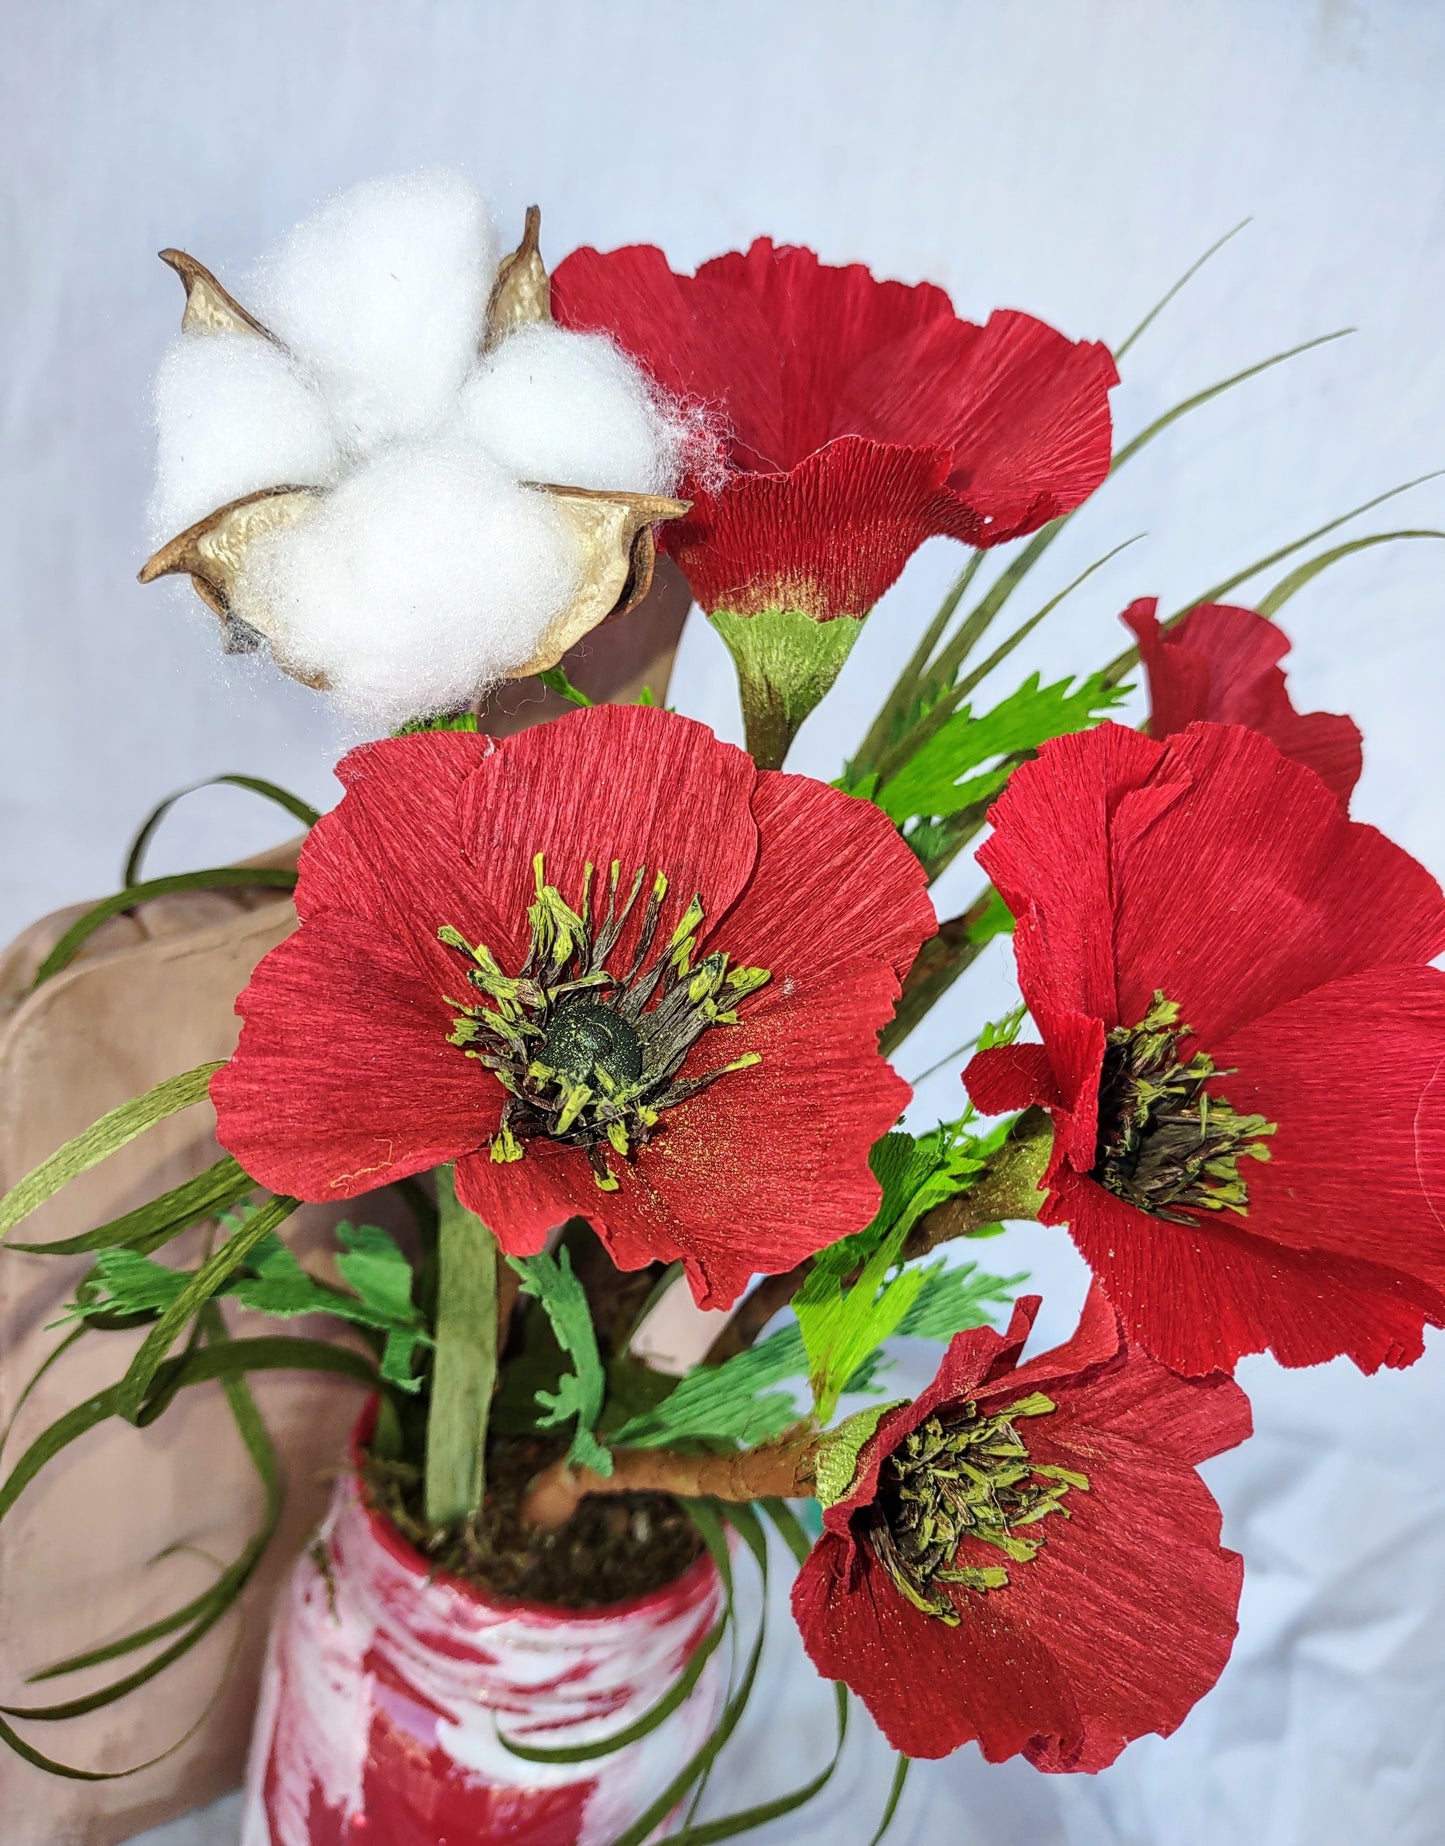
(588, 1052)
(961, 1475)
(1164, 1140)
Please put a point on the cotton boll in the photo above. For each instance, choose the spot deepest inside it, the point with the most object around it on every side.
(384, 292)
(572, 409)
(233, 415)
(426, 576)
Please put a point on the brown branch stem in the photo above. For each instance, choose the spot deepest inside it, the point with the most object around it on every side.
(778, 1471)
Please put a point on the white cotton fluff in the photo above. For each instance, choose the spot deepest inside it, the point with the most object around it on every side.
(384, 292)
(233, 415)
(572, 409)
(422, 579)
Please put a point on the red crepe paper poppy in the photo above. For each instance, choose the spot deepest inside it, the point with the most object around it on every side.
(861, 417)
(1120, 1620)
(679, 1043)
(1221, 664)
(1238, 1029)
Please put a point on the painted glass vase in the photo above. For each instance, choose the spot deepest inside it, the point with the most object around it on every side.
(389, 1688)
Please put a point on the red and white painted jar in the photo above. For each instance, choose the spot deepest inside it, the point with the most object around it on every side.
(385, 1688)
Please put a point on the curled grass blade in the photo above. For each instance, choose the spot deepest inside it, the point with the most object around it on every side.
(201, 1288)
(114, 1129)
(904, 1763)
(149, 1226)
(217, 878)
(257, 785)
(1302, 574)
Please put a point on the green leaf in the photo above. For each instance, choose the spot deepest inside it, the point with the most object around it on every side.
(293, 804)
(1169, 294)
(580, 1392)
(218, 878)
(841, 1325)
(124, 1282)
(555, 680)
(732, 1402)
(114, 1129)
(905, 1763)
(447, 721)
(931, 783)
(954, 1298)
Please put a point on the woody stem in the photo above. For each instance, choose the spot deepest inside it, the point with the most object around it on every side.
(778, 1471)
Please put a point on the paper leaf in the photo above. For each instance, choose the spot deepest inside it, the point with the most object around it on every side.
(580, 1392)
(931, 783)
(731, 1402)
(952, 1299)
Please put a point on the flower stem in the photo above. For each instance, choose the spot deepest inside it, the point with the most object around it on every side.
(778, 1471)
(464, 1370)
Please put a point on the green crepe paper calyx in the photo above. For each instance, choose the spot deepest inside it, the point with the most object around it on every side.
(836, 1458)
(787, 662)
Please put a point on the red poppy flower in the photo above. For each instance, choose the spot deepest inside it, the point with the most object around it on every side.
(1238, 1029)
(1060, 1593)
(862, 417)
(608, 968)
(1221, 664)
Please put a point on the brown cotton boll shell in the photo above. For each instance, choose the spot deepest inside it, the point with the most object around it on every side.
(522, 293)
(213, 551)
(209, 307)
(614, 533)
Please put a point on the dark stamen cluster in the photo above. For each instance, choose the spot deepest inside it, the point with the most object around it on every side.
(961, 1475)
(588, 1054)
(1164, 1141)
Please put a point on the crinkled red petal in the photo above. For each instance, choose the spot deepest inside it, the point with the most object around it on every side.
(1214, 869)
(770, 1164)
(629, 783)
(828, 537)
(343, 1079)
(798, 912)
(1221, 664)
(391, 849)
(1122, 1620)
(1199, 1297)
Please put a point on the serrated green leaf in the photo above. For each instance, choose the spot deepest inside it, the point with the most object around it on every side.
(954, 1298)
(580, 1392)
(932, 783)
(732, 1402)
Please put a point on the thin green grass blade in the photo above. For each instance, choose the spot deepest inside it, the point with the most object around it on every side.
(906, 687)
(1129, 659)
(149, 1226)
(904, 1763)
(1025, 629)
(114, 1129)
(746, 1819)
(1169, 294)
(643, 1726)
(56, 1352)
(709, 1522)
(217, 878)
(257, 785)
(1161, 423)
(789, 1528)
(272, 1352)
(202, 1287)
(1291, 585)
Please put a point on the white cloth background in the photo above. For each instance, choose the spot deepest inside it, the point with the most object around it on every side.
(1064, 156)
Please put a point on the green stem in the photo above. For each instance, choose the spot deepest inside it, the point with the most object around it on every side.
(464, 1369)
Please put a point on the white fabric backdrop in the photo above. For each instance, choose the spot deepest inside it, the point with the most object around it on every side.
(1059, 155)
